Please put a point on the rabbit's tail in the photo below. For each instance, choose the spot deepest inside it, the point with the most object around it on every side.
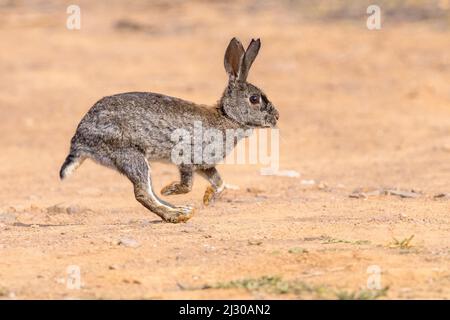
(72, 162)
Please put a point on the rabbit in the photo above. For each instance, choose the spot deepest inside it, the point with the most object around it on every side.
(127, 131)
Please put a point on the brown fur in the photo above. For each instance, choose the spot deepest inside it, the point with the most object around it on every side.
(127, 131)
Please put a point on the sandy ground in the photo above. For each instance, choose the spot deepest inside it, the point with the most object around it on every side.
(359, 109)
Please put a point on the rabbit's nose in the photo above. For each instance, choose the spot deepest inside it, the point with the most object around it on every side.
(277, 115)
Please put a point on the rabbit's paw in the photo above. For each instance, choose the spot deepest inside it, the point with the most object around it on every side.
(175, 188)
(180, 214)
(211, 194)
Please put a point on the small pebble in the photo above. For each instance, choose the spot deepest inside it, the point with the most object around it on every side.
(128, 242)
(8, 218)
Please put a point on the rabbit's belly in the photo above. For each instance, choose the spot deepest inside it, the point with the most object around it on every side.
(204, 163)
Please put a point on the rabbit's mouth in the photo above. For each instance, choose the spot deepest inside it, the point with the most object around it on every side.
(271, 121)
(264, 125)
(270, 125)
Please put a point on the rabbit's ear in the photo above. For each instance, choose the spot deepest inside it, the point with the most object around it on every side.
(249, 57)
(233, 58)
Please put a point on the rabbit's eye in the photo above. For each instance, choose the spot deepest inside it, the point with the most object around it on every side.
(255, 99)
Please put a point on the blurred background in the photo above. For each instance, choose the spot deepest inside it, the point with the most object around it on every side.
(359, 109)
(360, 97)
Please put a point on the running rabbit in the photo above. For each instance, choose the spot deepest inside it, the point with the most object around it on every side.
(127, 131)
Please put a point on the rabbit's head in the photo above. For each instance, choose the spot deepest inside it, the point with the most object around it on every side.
(242, 101)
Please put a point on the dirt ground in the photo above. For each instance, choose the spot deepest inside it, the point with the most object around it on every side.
(358, 109)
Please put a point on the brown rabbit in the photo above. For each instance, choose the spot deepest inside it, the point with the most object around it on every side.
(127, 131)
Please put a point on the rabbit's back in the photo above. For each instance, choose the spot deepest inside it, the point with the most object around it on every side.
(142, 120)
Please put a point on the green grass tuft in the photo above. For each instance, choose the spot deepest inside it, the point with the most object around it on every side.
(362, 294)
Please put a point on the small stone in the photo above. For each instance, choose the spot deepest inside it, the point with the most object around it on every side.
(254, 190)
(146, 223)
(308, 182)
(403, 193)
(208, 248)
(133, 281)
(74, 209)
(8, 218)
(56, 209)
(231, 187)
(34, 208)
(254, 242)
(322, 186)
(297, 250)
(128, 242)
(366, 193)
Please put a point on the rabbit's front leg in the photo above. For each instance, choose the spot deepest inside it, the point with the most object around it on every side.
(217, 185)
(182, 186)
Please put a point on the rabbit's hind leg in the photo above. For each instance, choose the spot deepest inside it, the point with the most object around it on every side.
(133, 164)
(217, 185)
(182, 186)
